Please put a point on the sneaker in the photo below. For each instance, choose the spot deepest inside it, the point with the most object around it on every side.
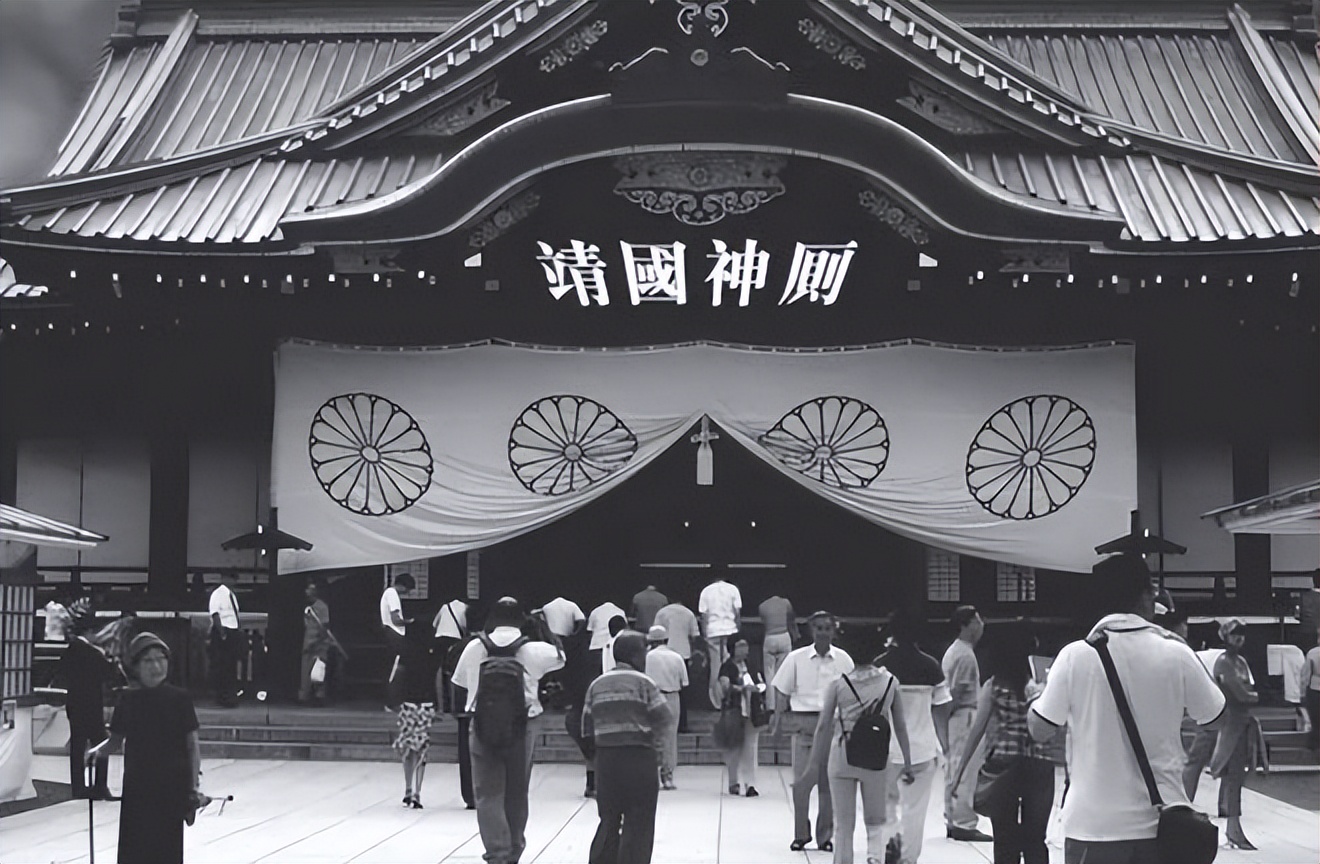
(893, 850)
(751, 792)
(735, 789)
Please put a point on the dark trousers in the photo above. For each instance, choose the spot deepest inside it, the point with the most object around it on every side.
(1020, 833)
(1110, 851)
(685, 697)
(225, 654)
(465, 761)
(627, 787)
(79, 741)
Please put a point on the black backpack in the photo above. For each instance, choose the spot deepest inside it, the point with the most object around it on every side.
(867, 745)
(501, 710)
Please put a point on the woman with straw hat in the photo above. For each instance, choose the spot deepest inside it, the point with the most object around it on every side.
(157, 725)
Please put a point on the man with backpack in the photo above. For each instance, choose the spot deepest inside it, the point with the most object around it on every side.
(501, 671)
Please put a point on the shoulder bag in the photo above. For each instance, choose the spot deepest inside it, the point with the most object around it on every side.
(1185, 834)
(867, 745)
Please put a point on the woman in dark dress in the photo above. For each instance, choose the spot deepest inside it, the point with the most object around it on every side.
(162, 761)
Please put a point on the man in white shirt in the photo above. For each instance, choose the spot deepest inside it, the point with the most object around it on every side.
(500, 777)
(720, 606)
(1107, 815)
(392, 625)
(598, 622)
(670, 674)
(799, 687)
(562, 616)
(451, 629)
(226, 646)
(962, 674)
(684, 638)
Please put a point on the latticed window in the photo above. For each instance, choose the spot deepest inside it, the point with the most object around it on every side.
(1014, 583)
(16, 621)
(942, 582)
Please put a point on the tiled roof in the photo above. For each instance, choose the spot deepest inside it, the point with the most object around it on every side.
(225, 89)
(1302, 67)
(222, 90)
(1160, 200)
(1191, 85)
(240, 204)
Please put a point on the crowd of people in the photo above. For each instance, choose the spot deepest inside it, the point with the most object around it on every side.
(870, 715)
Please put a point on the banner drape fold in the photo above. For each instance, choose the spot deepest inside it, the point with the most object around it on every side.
(1021, 455)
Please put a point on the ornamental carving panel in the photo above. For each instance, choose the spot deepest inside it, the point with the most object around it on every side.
(567, 49)
(824, 39)
(700, 188)
(945, 112)
(891, 213)
(503, 219)
(463, 114)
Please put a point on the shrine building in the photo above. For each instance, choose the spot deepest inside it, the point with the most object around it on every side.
(870, 303)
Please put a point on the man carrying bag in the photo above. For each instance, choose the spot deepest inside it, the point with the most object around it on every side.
(1112, 812)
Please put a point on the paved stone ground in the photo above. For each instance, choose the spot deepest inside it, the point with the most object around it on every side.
(290, 812)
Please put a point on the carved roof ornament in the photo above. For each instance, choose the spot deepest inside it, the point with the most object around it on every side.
(826, 39)
(503, 219)
(880, 205)
(1036, 259)
(700, 188)
(709, 14)
(469, 111)
(946, 113)
(579, 41)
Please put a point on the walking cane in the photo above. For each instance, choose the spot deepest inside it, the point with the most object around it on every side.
(89, 774)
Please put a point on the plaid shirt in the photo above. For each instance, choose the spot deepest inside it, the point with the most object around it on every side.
(1012, 740)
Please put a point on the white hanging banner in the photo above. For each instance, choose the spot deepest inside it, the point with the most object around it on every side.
(385, 455)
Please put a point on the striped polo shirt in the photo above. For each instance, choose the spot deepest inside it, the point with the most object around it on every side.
(624, 708)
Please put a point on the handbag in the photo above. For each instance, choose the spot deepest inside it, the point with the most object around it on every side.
(996, 786)
(760, 714)
(867, 745)
(1185, 834)
(728, 731)
(317, 673)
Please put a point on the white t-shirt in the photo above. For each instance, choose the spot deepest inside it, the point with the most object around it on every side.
(599, 623)
(537, 659)
(804, 675)
(451, 620)
(224, 604)
(923, 743)
(390, 602)
(720, 603)
(1107, 799)
(562, 615)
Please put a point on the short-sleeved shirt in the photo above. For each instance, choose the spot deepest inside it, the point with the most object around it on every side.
(1311, 669)
(1107, 799)
(775, 613)
(598, 622)
(316, 625)
(962, 674)
(537, 659)
(224, 604)
(645, 604)
(624, 708)
(682, 626)
(720, 603)
(451, 621)
(921, 685)
(805, 673)
(666, 669)
(390, 602)
(562, 615)
(154, 723)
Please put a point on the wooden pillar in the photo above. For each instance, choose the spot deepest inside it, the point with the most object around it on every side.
(167, 555)
(283, 627)
(1251, 558)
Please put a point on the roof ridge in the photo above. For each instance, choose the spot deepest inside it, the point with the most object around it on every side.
(1266, 66)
